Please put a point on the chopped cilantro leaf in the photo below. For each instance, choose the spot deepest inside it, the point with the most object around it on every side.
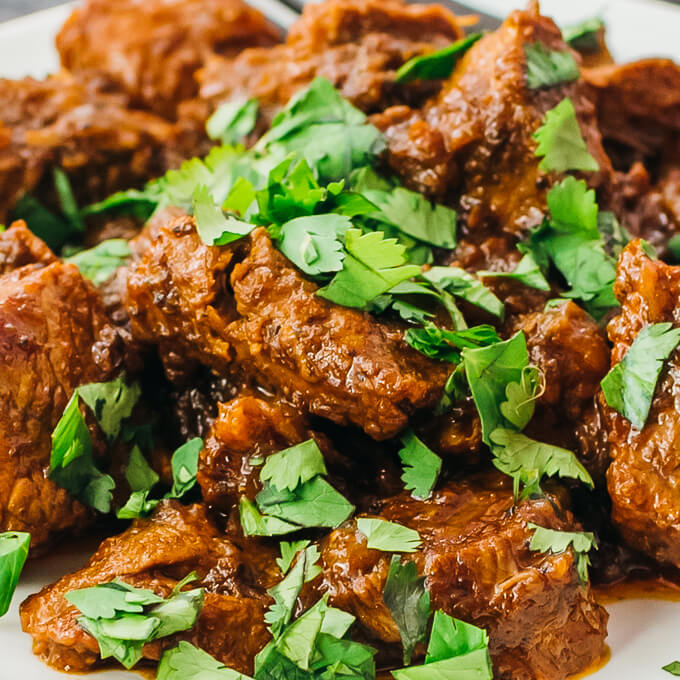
(138, 473)
(528, 461)
(412, 214)
(13, 553)
(527, 272)
(43, 223)
(184, 467)
(489, 370)
(614, 235)
(630, 385)
(123, 618)
(445, 345)
(436, 65)
(553, 541)
(72, 462)
(111, 402)
(409, 603)
(212, 225)
(313, 243)
(186, 662)
(232, 121)
(546, 67)
(290, 468)
(672, 668)
(254, 523)
(560, 143)
(373, 265)
(388, 536)
(583, 36)
(288, 551)
(421, 466)
(465, 286)
(456, 650)
(100, 263)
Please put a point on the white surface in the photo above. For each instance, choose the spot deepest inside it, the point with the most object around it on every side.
(643, 634)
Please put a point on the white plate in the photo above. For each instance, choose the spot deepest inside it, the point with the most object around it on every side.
(643, 634)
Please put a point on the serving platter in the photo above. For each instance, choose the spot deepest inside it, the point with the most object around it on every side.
(643, 629)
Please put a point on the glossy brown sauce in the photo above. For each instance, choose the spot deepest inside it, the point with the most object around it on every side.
(657, 588)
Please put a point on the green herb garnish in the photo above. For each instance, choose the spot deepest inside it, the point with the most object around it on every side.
(388, 536)
(553, 541)
(13, 553)
(421, 466)
(546, 67)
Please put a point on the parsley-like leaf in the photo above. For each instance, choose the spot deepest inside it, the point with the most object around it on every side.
(186, 662)
(527, 272)
(212, 225)
(560, 142)
(72, 462)
(288, 551)
(111, 402)
(138, 473)
(445, 345)
(184, 467)
(421, 466)
(456, 650)
(546, 67)
(672, 668)
(409, 603)
(583, 36)
(553, 541)
(388, 536)
(13, 553)
(42, 222)
(67, 200)
(100, 263)
(630, 385)
(255, 523)
(526, 460)
(232, 121)
(436, 65)
(290, 468)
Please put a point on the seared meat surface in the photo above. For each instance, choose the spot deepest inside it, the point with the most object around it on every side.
(478, 567)
(644, 475)
(326, 360)
(152, 50)
(357, 45)
(157, 553)
(19, 247)
(54, 336)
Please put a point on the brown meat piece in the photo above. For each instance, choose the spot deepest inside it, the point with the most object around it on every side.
(19, 247)
(156, 553)
(54, 337)
(94, 138)
(327, 360)
(357, 44)
(472, 144)
(644, 476)
(151, 50)
(541, 621)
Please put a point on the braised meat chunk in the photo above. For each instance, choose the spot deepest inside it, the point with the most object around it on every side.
(327, 360)
(644, 476)
(99, 143)
(472, 144)
(357, 45)
(478, 567)
(19, 247)
(157, 553)
(54, 337)
(152, 50)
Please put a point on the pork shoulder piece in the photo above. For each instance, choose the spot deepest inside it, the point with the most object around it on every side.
(644, 476)
(357, 44)
(324, 359)
(156, 553)
(472, 144)
(19, 247)
(475, 556)
(151, 50)
(54, 336)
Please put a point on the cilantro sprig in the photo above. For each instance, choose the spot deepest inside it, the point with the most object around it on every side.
(630, 385)
(13, 553)
(560, 142)
(186, 662)
(72, 464)
(123, 618)
(388, 536)
(421, 466)
(554, 541)
(100, 262)
(456, 650)
(295, 495)
(547, 68)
